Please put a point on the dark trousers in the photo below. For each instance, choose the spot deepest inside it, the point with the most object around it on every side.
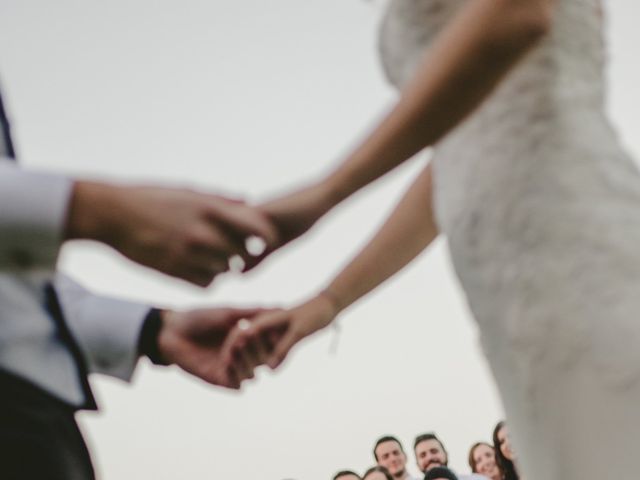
(39, 437)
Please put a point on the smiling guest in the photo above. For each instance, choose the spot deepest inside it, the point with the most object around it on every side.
(389, 453)
(505, 456)
(430, 453)
(482, 460)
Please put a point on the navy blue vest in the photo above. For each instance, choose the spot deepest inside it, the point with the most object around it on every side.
(6, 133)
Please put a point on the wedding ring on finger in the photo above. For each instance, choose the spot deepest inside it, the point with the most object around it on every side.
(255, 245)
(236, 264)
(244, 324)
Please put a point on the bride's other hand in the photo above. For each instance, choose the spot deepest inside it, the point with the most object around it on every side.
(271, 336)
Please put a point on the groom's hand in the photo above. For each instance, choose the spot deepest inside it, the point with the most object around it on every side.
(179, 232)
(193, 340)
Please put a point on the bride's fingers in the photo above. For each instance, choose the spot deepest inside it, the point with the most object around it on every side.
(282, 349)
(261, 348)
(249, 345)
(252, 347)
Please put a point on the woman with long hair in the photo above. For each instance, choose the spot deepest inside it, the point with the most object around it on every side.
(503, 452)
(482, 460)
(540, 205)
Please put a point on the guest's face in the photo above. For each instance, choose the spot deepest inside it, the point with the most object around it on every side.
(348, 476)
(429, 454)
(484, 458)
(375, 476)
(505, 444)
(390, 455)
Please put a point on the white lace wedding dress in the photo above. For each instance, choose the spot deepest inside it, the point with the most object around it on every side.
(541, 207)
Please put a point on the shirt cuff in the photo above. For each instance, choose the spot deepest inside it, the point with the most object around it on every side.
(148, 341)
(33, 209)
(106, 329)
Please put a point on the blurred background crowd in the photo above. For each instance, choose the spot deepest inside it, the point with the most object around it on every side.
(487, 460)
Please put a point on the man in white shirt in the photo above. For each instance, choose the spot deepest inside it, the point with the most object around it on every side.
(430, 453)
(53, 332)
(389, 453)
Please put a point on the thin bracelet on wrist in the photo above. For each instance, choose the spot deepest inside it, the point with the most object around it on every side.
(333, 299)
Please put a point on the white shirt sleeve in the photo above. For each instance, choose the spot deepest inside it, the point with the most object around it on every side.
(33, 208)
(106, 329)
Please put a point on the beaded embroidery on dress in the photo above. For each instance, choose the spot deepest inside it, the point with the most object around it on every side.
(541, 207)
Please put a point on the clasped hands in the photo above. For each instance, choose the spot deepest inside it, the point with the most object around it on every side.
(224, 346)
(192, 235)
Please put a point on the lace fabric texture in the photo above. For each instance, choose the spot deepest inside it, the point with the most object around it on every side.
(541, 207)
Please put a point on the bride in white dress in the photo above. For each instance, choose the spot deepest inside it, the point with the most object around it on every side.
(540, 206)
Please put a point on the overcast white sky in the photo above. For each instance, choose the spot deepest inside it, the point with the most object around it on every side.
(253, 97)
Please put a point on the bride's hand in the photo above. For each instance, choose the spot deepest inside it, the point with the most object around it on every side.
(293, 214)
(270, 336)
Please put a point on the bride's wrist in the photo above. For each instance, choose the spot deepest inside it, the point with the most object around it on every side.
(333, 191)
(333, 300)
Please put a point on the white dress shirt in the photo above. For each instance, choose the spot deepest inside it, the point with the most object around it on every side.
(33, 208)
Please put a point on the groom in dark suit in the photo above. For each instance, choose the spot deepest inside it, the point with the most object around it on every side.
(53, 332)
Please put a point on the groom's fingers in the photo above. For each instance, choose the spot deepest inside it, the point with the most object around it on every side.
(251, 262)
(237, 314)
(242, 219)
(211, 374)
(255, 352)
(234, 339)
(263, 348)
(245, 357)
(215, 240)
(233, 359)
(198, 275)
(231, 377)
(245, 353)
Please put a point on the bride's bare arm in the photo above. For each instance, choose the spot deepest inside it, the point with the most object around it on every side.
(408, 231)
(466, 62)
(468, 59)
(410, 228)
